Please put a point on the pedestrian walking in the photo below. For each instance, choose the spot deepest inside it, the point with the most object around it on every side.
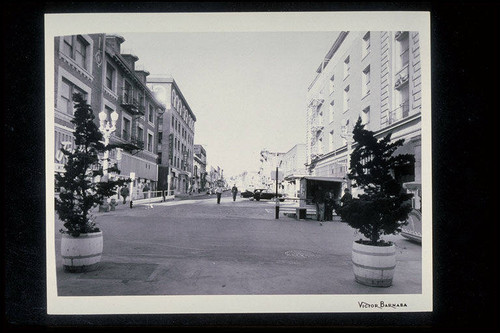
(145, 191)
(319, 201)
(234, 190)
(218, 191)
(124, 192)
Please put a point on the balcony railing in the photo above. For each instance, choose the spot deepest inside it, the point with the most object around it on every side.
(402, 77)
(137, 142)
(399, 113)
(133, 142)
(131, 104)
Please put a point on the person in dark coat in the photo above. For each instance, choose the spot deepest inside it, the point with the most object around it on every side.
(145, 190)
(329, 205)
(234, 191)
(346, 197)
(319, 201)
(124, 192)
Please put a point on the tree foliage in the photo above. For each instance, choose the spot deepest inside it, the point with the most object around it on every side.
(383, 207)
(78, 191)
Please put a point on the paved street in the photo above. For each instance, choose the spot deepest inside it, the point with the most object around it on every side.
(196, 247)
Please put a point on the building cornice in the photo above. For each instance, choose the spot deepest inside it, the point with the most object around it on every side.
(331, 52)
(131, 73)
(172, 81)
(328, 56)
(379, 134)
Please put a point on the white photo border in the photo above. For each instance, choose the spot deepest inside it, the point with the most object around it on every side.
(68, 24)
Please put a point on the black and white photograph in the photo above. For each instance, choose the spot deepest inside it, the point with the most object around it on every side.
(250, 165)
(238, 162)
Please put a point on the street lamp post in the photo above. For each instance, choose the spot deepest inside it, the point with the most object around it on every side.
(107, 128)
(277, 206)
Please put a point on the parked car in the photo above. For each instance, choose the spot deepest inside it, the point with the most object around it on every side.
(266, 194)
(247, 194)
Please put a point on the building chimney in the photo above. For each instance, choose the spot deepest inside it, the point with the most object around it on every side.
(114, 42)
(130, 59)
(142, 74)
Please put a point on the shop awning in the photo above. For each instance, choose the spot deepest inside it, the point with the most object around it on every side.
(325, 179)
(293, 177)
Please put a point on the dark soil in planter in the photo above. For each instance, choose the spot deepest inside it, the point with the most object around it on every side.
(379, 243)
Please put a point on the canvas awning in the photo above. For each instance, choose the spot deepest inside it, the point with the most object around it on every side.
(325, 179)
(292, 177)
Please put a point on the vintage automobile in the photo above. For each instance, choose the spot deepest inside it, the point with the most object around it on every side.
(266, 194)
(246, 194)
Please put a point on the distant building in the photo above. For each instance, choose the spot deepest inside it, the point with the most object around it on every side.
(269, 161)
(293, 168)
(375, 75)
(94, 66)
(200, 168)
(247, 180)
(177, 130)
(215, 177)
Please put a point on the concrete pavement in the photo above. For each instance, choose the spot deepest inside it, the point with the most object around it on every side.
(196, 247)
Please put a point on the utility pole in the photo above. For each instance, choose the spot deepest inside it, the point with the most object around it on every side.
(277, 207)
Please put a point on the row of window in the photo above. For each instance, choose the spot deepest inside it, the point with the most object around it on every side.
(402, 62)
(128, 92)
(139, 138)
(180, 163)
(66, 105)
(76, 48)
(182, 110)
(181, 149)
(177, 126)
(402, 97)
(66, 96)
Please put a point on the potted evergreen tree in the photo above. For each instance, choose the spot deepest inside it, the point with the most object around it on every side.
(381, 208)
(82, 241)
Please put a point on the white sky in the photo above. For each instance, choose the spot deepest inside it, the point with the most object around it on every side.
(247, 89)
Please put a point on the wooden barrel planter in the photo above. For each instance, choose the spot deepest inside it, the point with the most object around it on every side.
(373, 265)
(82, 253)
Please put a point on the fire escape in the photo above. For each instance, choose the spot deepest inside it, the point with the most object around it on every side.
(315, 127)
(135, 107)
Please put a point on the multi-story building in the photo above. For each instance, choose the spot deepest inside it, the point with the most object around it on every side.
(176, 131)
(372, 75)
(200, 168)
(293, 168)
(269, 162)
(215, 177)
(94, 66)
(247, 180)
